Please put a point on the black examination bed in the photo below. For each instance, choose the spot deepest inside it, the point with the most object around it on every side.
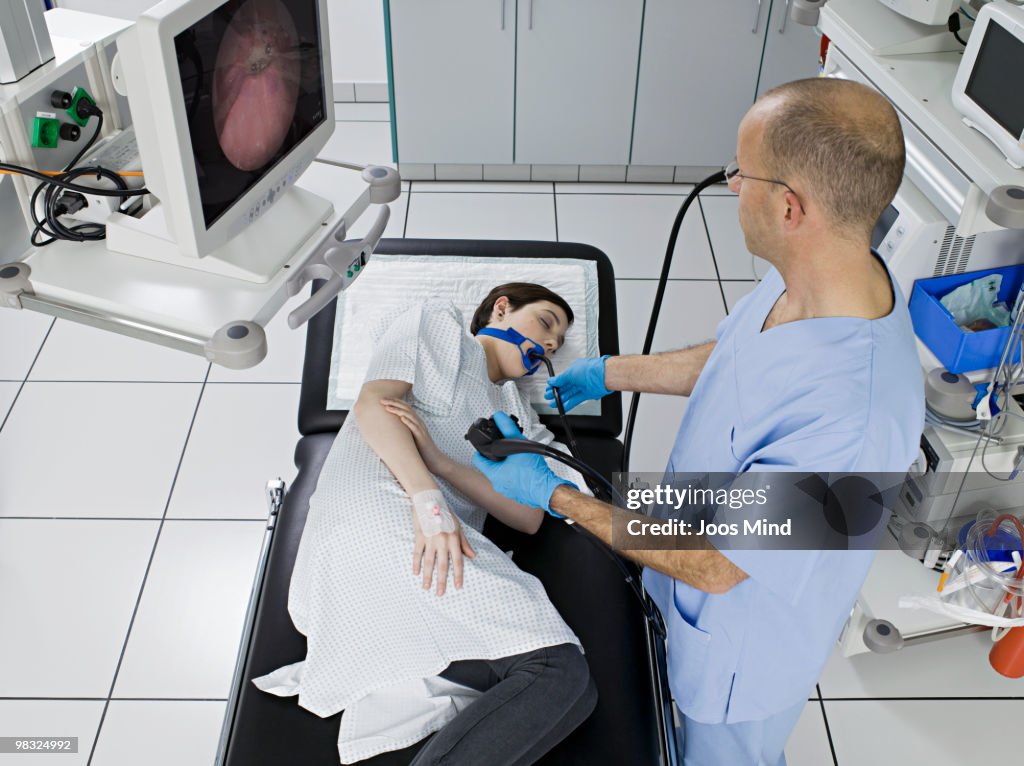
(628, 724)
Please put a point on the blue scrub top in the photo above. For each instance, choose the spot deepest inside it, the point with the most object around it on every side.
(832, 394)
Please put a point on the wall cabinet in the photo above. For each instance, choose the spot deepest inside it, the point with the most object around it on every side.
(575, 80)
(453, 79)
(698, 76)
(584, 82)
(790, 49)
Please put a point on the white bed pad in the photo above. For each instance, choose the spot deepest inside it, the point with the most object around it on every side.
(392, 283)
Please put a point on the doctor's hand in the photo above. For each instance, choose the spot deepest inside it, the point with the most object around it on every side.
(439, 548)
(524, 478)
(582, 381)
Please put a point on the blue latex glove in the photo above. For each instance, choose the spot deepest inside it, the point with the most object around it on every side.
(583, 380)
(524, 478)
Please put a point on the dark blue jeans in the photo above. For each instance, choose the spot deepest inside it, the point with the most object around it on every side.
(530, 703)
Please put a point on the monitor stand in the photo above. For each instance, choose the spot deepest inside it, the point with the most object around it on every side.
(256, 254)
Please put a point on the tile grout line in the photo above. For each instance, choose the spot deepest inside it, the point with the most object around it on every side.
(828, 729)
(115, 699)
(28, 372)
(408, 204)
(124, 518)
(554, 199)
(149, 566)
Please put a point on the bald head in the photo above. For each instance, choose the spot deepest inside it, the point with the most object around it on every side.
(840, 141)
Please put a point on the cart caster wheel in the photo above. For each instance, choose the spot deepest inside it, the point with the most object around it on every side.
(882, 637)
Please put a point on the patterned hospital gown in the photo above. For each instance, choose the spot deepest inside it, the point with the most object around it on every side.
(369, 624)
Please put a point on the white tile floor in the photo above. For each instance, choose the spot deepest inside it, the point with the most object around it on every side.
(133, 478)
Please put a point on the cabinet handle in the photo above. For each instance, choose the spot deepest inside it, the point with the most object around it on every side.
(757, 16)
(529, 24)
(785, 18)
(503, 15)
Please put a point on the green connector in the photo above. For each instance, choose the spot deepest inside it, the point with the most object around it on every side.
(77, 97)
(45, 132)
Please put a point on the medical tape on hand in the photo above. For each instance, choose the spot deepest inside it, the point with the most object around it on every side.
(432, 512)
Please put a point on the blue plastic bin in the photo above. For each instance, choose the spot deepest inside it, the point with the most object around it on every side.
(958, 350)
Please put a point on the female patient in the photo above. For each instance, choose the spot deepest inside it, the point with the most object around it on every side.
(393, 580)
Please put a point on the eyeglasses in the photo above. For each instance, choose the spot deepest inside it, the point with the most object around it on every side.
(732, 170)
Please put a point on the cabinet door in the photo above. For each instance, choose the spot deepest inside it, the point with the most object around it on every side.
(698, 77)
(576, 79)
(453, 74)
(790, 49)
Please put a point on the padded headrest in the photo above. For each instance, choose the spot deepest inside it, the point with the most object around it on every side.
(314, 417)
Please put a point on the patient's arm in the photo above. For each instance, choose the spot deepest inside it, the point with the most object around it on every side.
(388, 437)
(466, 479)
(670, 372)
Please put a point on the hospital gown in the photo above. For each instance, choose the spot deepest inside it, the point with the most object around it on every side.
(369, 623)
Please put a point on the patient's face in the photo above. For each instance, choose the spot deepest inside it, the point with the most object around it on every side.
(543, 322)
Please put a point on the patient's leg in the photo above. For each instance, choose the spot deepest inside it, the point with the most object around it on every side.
(531, 702)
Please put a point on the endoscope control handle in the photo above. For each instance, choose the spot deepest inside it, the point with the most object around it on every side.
(339, 262)
(484, 433)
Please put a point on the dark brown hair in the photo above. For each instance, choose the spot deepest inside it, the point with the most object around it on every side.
(519, 294)
(843, 140)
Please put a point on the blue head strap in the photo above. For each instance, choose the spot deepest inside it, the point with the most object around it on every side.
(518, 340)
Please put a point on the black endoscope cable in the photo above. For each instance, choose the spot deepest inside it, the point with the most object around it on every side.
(62, 197)
(715, 178)
(604, 488)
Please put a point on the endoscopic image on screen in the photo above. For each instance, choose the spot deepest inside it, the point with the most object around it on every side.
(252, 81)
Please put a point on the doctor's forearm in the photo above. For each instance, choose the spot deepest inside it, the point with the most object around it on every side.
(670, 372)
(705, 569)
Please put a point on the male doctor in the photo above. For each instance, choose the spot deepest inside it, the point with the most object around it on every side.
(815, 370)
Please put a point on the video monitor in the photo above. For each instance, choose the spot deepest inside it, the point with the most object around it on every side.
(253, 85)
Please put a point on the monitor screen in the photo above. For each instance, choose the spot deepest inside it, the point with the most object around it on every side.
(253, 83)
(994, 84)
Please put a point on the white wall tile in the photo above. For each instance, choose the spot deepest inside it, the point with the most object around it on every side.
(484, 187)
(8, 391)
(159, 733)
(555, 172)
(62, 718)
(78, 352)
(21, 336)
(808, 744)
(947, 733)
(358, 51)
(648, 174)
(731, 254)
(94, 449)
(690, 313)
(459, 172)
(735, 290)
(911, 672)
(243, 436)
(362, 113)
(186, 634)
(633, 231)
(365, 143)
(482, 216)
(69, 590)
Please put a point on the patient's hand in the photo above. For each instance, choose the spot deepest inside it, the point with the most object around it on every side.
(433, 458)
(436, 551)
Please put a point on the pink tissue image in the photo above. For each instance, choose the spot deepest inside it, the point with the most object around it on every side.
(256, 83)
